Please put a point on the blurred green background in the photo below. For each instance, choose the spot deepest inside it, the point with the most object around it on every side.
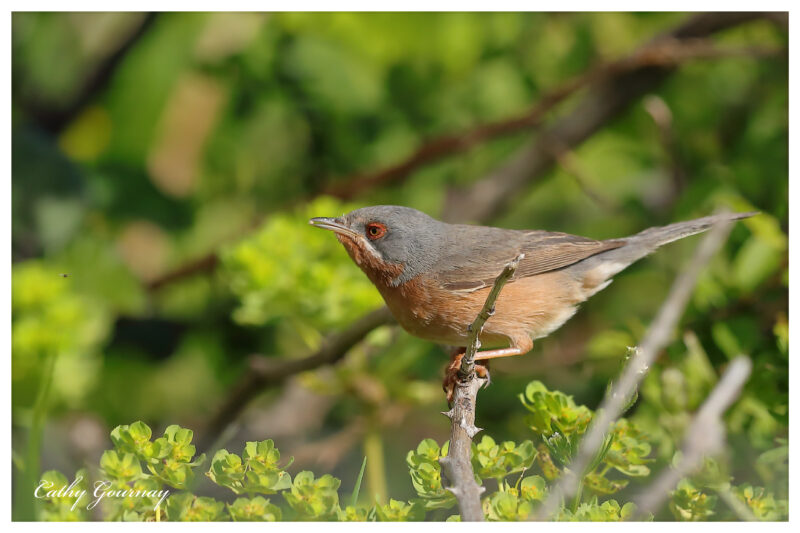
(164, 168)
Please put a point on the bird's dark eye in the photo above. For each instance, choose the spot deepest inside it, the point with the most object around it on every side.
(375, 230)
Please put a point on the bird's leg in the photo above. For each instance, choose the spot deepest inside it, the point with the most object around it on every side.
(451, 372)
(495, 354)
(520, 344)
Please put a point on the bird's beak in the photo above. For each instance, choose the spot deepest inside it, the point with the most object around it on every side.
(332, 224)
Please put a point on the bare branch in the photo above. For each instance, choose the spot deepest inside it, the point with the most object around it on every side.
(457, 465)
(267, 372)
(657, 337)
(705, 436)
(475, 329)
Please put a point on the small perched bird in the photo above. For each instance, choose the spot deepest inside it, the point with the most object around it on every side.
(435, 276)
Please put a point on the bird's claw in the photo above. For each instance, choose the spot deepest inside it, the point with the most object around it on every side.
(451, 378)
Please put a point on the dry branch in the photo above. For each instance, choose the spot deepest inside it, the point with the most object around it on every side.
(457, 464)
(657, 337)
(706, 436)
(264, 372)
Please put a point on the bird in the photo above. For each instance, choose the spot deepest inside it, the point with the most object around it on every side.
(435, 276)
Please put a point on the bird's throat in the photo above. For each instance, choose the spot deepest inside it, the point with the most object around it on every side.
(380, 272)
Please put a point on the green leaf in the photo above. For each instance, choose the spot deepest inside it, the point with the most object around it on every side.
(122, 467)
(688, 503)
(397, 511)
(491, 460)
(426, 474)
(186, 507)
(314, 499)
(255, 509)
(358, 482)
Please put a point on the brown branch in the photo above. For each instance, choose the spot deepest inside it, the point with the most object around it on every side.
(675, 48)
(457, 464)
(206, 263)
(620, 393)
(264, 372)
(605, 100)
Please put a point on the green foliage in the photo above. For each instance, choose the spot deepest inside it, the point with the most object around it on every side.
(186, 507)
(169, 458)
(314, 499)
(287, 269)
(690, 503)
(553, 412)
(761, 503)
(139, 495)
(561, 424)
(491, 460)
(258, 472)
(396, 511)
(353, 514)
(592, 511)
(51, 318)
(124, 467)
(62, 506)
(514, 503)
(426, 474)
(209, 147)
(255, 509)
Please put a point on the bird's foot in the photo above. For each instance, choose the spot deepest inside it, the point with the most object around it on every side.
(451, 373)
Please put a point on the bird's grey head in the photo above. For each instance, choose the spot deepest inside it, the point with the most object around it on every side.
(398, 235)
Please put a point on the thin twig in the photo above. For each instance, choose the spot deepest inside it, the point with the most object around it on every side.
(705, 436)
(267, 372)
(475, 329)
(657, 337)
(457, 464)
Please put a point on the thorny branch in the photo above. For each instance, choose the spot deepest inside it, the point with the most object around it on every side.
(457, 464)
(657, 337)
(475, 329)
(705, 436)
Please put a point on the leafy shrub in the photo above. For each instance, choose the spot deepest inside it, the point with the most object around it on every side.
(148, 468)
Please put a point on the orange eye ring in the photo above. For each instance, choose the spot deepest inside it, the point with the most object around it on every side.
(375, 230)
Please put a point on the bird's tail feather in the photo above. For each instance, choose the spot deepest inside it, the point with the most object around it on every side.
(606, 264)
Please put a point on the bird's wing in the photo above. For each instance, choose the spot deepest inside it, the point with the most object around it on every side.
(544, 251)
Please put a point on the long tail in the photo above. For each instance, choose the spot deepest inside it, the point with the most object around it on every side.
(606, 264)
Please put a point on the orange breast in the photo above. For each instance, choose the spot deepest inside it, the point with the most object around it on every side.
(528, 308)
